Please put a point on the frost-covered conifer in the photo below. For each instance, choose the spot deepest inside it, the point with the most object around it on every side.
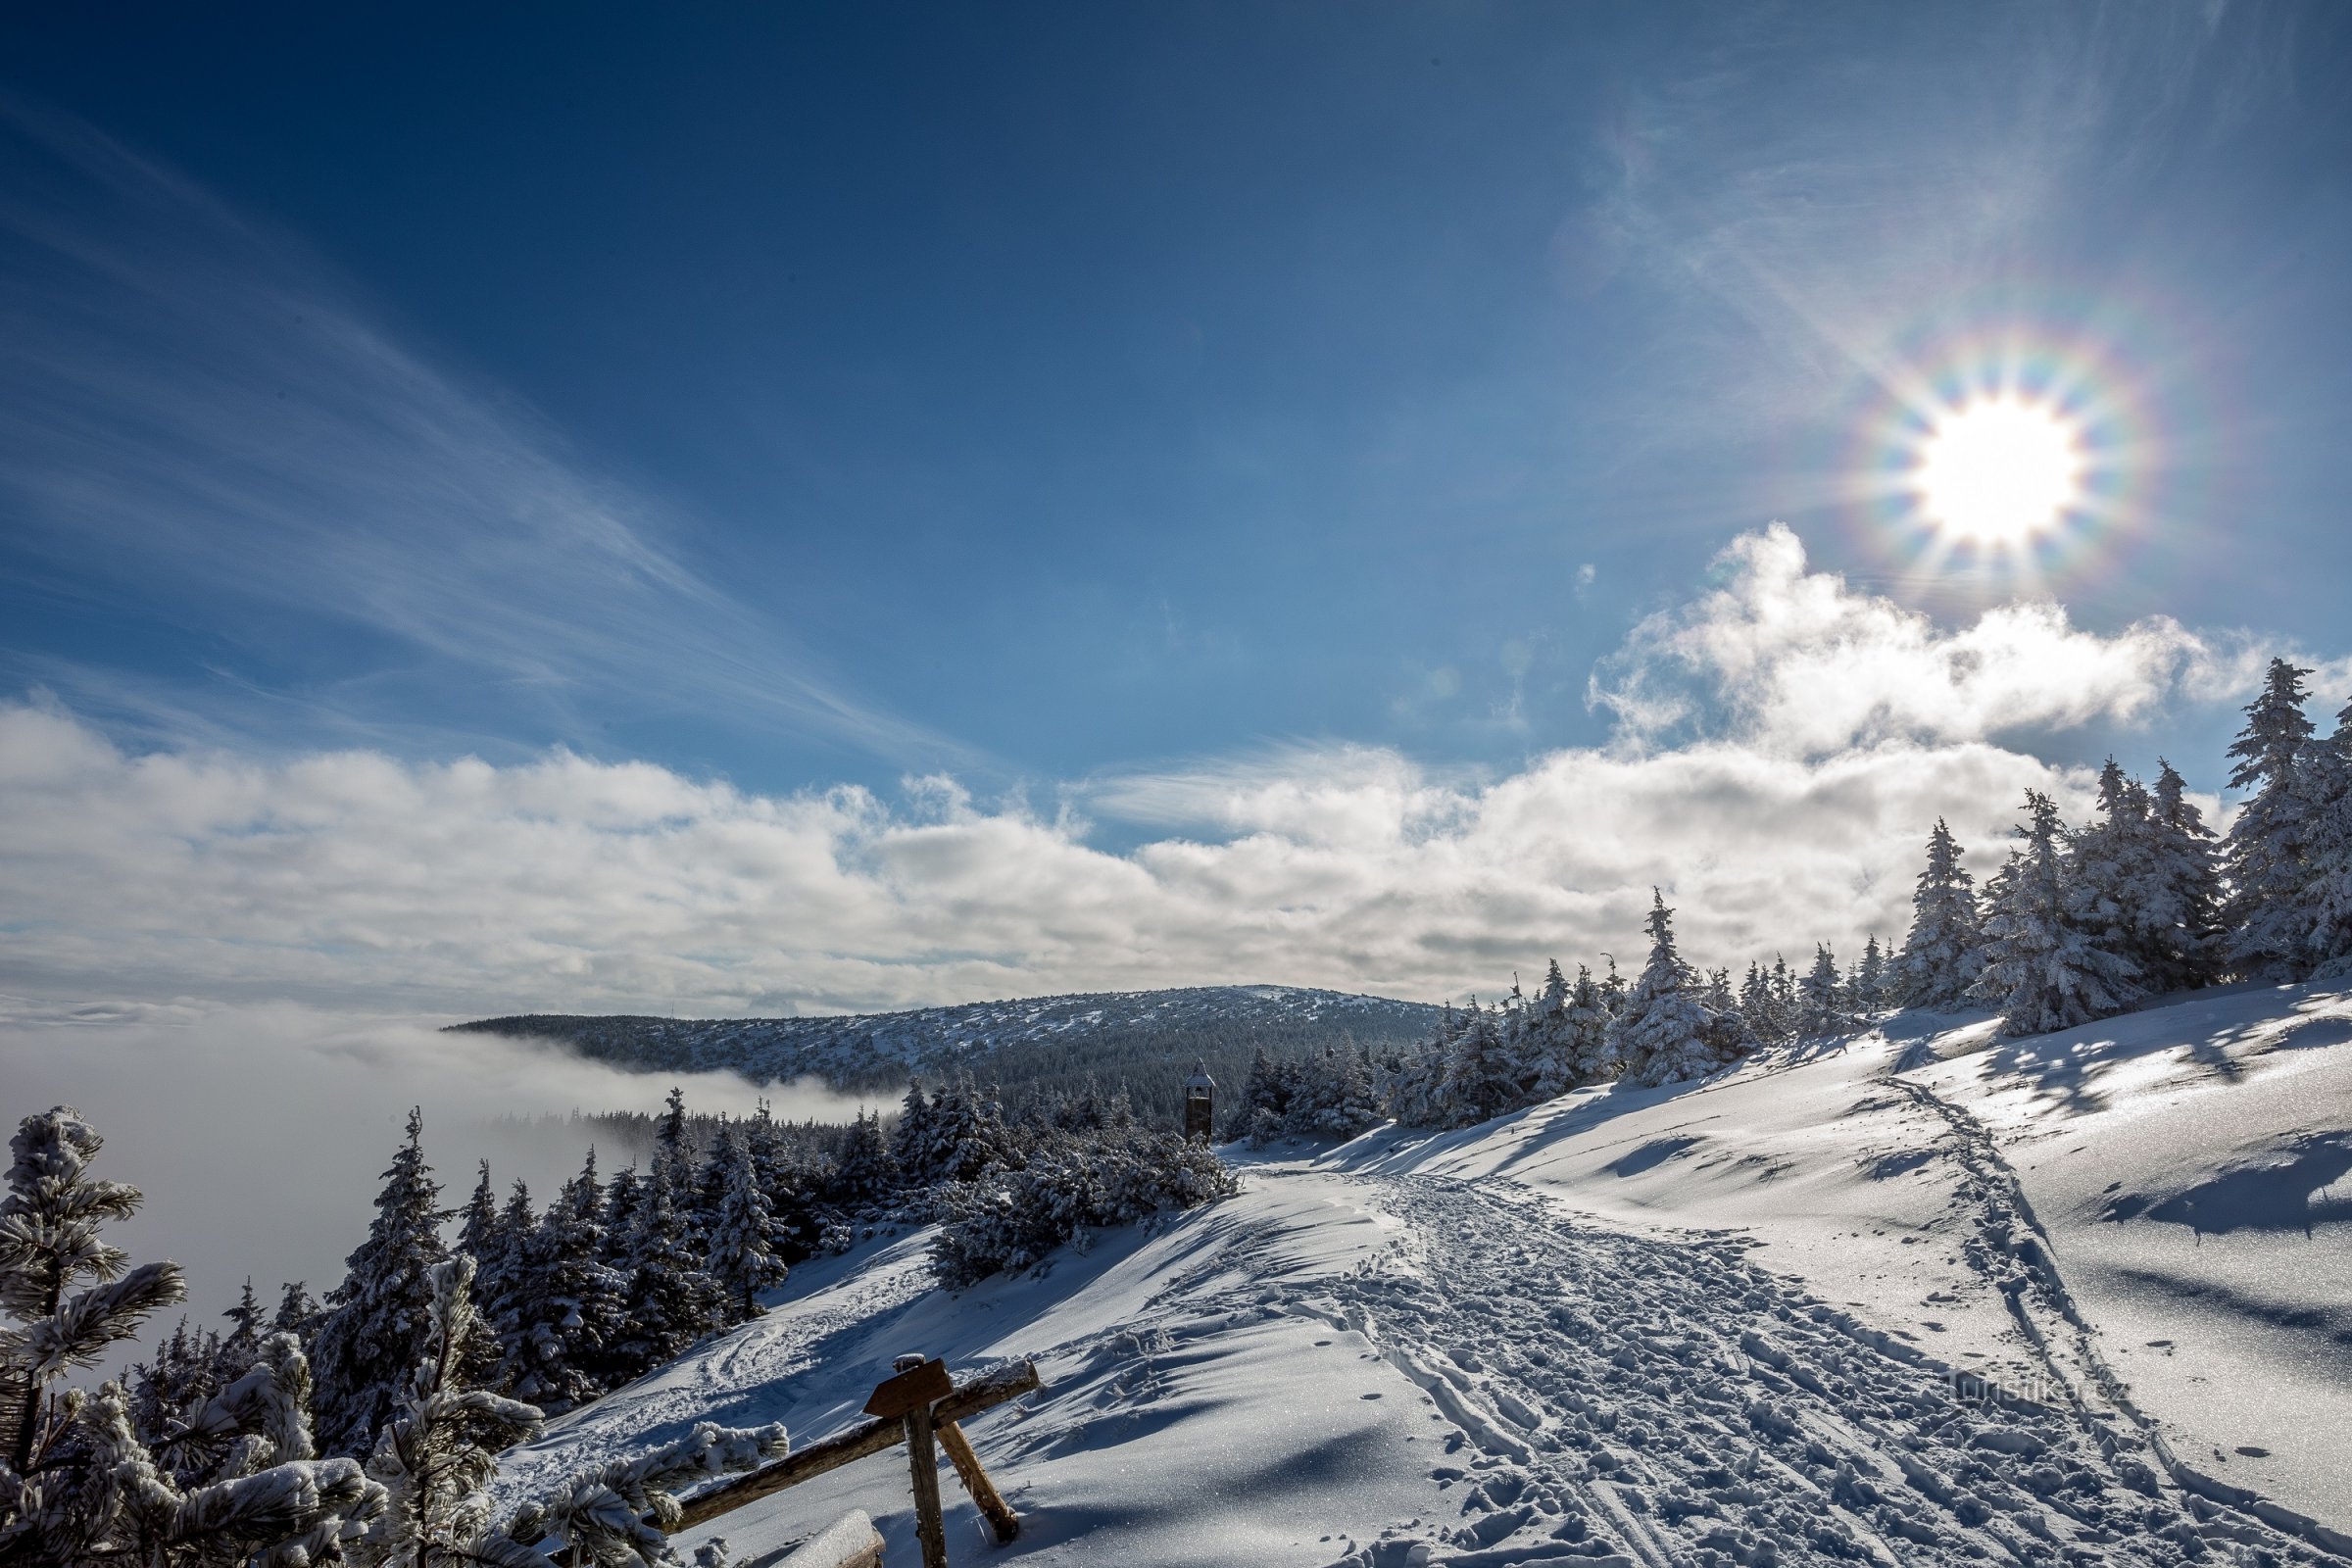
(297, 1309)
(1591, 1053)
(76, 1484)
(1944, 954)
(2042, 970)
(564, 1306)
(1661, 1033)
(1482, 1081)
(375, 1321)
(673, 1300)
(478, 1224)
(622, 1195)
(2182, 896)
(435, 1457)
(912, 1141)
(2270, 911)
(1347, 1104)
(864, 1174)
(1868, 993)
(1819, 1010)
(2326, 789)
(743, 1244)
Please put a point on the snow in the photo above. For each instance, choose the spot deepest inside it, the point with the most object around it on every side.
(1748, 1320)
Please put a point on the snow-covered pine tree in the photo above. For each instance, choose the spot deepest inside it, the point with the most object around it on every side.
(1821, 1013)
(2041, 971)
(297, 1310)
(478, 1233)
(743, 1244)
(2182, 896)
(910, 1142)
(1869, 990)
(435, 1457)
(1661, 1033)
(672, 1167)
(673, 1300)
(1591, 1051)
(563, 1306)
(1755, 1003)
(373, 1329)
(864, 1174)
(2326, 788)
(1483, 1080)
(241, 1346)
(76, 1484)
(2270, 912)
(1550, 1065)
(622, 1195)
(1416, 1086)
(1944, 954)
(1348, 1105)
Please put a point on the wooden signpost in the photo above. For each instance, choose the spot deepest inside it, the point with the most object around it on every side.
(919, 1406)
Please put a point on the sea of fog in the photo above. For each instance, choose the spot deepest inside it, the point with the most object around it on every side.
(259, 1133)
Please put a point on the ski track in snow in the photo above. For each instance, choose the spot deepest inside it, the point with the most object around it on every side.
(1623, 1398)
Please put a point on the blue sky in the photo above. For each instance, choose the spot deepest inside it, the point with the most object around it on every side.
(1121, 411)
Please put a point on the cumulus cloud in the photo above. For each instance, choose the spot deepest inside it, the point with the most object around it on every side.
(1798, 664)
(1784, 743)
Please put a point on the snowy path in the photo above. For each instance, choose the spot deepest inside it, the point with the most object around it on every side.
(1633, 1399)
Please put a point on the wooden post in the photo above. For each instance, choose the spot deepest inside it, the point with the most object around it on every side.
(1000, 1517)
(922, 1462)
(872, 1437)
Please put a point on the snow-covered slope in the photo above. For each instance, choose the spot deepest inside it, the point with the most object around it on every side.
(1748, 1321)
(1038, 1036)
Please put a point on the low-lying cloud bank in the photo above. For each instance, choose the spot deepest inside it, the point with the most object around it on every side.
(1816, 733)
(259, 1133)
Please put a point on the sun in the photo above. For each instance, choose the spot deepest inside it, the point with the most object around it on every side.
(1999, 470)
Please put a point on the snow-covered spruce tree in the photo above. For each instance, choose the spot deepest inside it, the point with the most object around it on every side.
(910, 1142)
(76, 1484)
(1345, 1102)
(564, 1306)
(2327, 790)
(1661, 1035)
(1483, 1079)
(478, 1234)
(2043, 971)
(1550, 1063)
(2183, 890)
(1416, 1087)
(622, 1195)
(743, 1244)
(1866, 992)
(374, 1322)
(437, 1459)
(864, 1174)
(1821, 1012)
(297, 1310)
(435, 1456)
(1591, 1052)
(673, 1300)
(1944, 954)
(2270, 915)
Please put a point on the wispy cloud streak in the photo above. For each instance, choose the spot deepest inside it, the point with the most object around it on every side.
(201, 404)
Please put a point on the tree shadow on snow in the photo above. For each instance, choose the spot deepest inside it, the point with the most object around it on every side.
(2284, 1188)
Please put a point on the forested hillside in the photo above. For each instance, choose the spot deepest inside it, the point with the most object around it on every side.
(1031, 1048)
